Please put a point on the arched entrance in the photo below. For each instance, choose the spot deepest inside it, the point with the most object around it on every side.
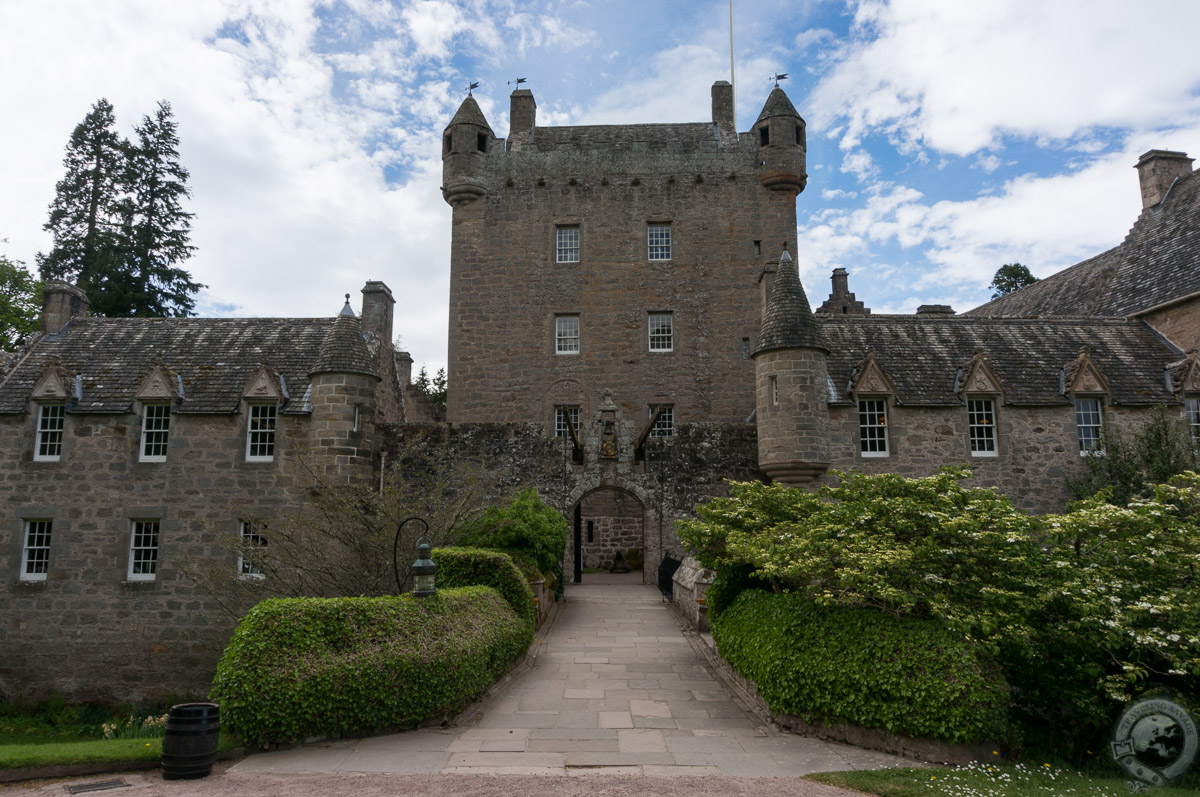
(604, 522)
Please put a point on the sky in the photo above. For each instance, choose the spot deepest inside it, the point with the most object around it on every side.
(946, 138)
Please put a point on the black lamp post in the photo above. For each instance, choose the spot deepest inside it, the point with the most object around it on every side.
(421, 560)
(423, 571)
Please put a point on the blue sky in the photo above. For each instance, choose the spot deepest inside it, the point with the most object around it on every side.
(946, 138)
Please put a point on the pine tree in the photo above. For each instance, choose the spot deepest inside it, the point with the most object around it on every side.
(84, 215)
(156, 228)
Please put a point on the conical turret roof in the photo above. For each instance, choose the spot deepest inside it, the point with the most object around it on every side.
(469, 113)
(777, 104)
(344, 350)
(788, 321)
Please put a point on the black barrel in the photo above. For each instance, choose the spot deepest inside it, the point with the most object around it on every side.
(190, 744)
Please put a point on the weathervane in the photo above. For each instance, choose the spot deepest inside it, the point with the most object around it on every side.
(472, 87)
(778, 76)
(518, 81)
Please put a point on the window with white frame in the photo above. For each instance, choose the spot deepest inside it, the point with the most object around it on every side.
(156, 426)
(773, 385)
(664, 425)
(981, 427)
(872, 427)
(260, 433)
(143, 550)
(35, 554)
(1088, 422)
(562, 415)
(566, 244)
(566, 334)
(1192, 407)
(252, 537)
(48, 446)
(661, 332)
(658, 241)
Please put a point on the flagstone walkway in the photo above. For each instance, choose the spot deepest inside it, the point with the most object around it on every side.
(616, 688)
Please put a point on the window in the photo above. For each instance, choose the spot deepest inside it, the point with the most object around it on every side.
(981, 426)
(156, 425)
(251, 538)
(773, 384)
(561, 415)
(260, 433)
(566, 334)
(1087, 421)
(659, 241)
(48, 447)
(1192, 407)
(566, 245)
(872, 427)
(35, 555)
(661, 338)
(143, 550)
(664, 426)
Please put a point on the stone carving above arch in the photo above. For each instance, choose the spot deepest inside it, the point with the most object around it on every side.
(1184, 376)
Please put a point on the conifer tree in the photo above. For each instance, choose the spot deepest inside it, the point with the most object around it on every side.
(156, 228)
(83, 216)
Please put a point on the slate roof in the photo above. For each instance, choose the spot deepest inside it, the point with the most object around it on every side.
(788, 320)
(469, 113)
(922, 356)
(1158, 263)
(216, 358)
(344, 351)
(777, 104)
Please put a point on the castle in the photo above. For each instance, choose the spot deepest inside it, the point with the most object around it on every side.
(627, 331)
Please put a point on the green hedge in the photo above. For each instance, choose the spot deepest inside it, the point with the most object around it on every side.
(305, 667)
(831, 663)
(466, 567)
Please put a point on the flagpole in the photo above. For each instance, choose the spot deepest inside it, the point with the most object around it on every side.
(732, 83)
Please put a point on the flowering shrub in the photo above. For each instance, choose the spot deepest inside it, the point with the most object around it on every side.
(1082, 610)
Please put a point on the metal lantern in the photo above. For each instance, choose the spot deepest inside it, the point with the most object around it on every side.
(424, 572)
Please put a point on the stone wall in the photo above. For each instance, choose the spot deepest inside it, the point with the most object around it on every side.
(610, 182)
(1179, 323)
(88, 631)
(1037, 447)
(612, 521)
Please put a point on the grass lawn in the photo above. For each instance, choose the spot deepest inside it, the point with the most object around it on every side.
(88, 751)
(979, 780)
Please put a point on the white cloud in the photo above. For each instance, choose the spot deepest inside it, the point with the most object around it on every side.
(956, 76)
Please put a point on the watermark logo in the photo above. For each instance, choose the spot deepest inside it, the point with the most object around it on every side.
(1155, 742)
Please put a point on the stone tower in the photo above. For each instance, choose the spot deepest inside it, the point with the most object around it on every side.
(792, 395)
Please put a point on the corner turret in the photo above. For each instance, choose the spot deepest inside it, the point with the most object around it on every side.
(782, 144)
(465, 143)
(791, 377)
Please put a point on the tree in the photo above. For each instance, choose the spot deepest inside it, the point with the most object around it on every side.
(84, 216)
(119, 227)
(1010, 277)
(20, 303)
(433, 387)
(157, 227)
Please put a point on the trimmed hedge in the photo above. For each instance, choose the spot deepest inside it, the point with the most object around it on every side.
(465, 567)
(304, 667)
(831, 663)
(729, 583)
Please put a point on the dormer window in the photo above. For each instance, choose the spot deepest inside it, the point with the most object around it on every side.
(156, 426)
(872, 427)
(1088, 422)
(981, 426)
(260, 433)
(48, 445)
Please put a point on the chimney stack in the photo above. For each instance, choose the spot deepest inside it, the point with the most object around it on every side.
(60, 303)
(722, 106)
(377, 309)
(1157, 170)
(522, 117)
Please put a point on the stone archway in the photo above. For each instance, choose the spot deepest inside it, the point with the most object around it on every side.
(604, 521)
